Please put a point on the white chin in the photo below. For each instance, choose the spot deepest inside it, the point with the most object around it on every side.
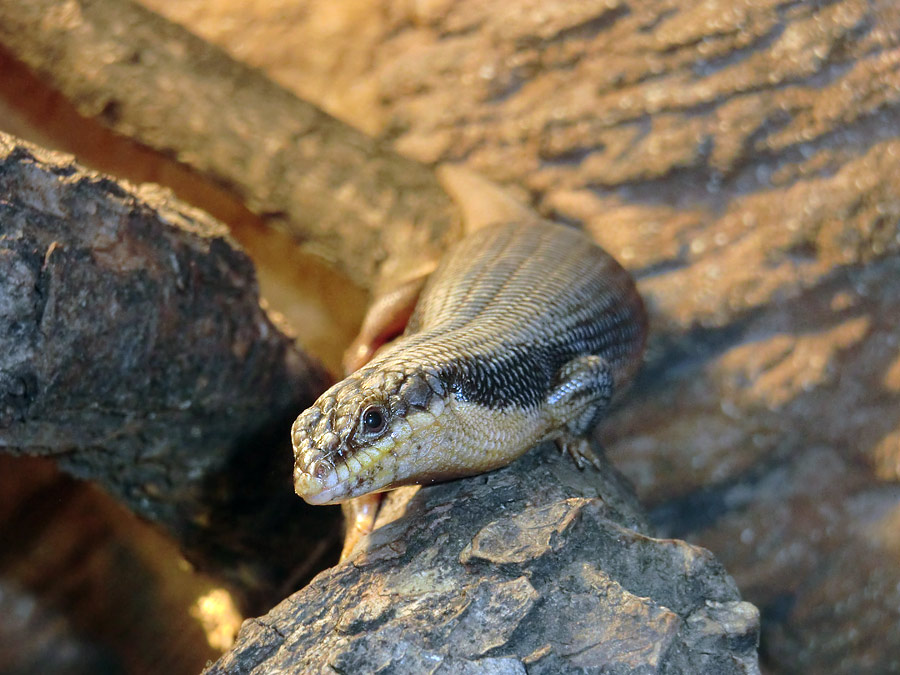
(327, 496)
(314, 491)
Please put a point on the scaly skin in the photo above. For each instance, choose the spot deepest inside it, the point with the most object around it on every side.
(523, 333)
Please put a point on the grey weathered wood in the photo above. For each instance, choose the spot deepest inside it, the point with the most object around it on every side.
(134, 351)
(537, 566)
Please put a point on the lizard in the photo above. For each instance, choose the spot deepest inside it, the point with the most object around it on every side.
(524, 332)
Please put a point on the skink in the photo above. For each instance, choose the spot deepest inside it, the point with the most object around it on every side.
(523, 333)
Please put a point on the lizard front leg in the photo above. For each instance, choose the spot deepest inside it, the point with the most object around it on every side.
(581, 393)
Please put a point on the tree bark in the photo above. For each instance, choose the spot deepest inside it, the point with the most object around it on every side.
(133, 350)
(538, 566)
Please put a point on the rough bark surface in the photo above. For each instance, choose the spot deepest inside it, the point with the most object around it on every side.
(538, 566)
(133, 350)
(350, 198)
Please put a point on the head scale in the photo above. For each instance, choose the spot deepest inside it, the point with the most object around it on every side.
(360, 435)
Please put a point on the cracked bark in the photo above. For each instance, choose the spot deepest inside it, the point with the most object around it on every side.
(537, 565)
(134, 351)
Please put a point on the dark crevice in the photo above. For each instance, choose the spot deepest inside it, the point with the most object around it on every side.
(590, 28)
(707, 67)
(699, 510)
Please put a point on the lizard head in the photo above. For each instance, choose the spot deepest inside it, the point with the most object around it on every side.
(365, 434)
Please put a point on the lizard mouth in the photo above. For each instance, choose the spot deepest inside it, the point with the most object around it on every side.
(318, 483)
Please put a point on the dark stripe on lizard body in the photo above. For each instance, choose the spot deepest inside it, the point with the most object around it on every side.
(499, 332)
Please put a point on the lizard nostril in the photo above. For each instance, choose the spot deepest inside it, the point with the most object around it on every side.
(320, 471)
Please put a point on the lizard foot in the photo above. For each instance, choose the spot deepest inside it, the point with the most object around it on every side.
(580, 450)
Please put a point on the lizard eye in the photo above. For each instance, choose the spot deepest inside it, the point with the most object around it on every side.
(373, 419)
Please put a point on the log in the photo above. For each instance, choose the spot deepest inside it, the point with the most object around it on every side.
(135, 352)
(347, 197)
(87, 587)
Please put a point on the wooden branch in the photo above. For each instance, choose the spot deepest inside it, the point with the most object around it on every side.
(348, 198)
(134, 350)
